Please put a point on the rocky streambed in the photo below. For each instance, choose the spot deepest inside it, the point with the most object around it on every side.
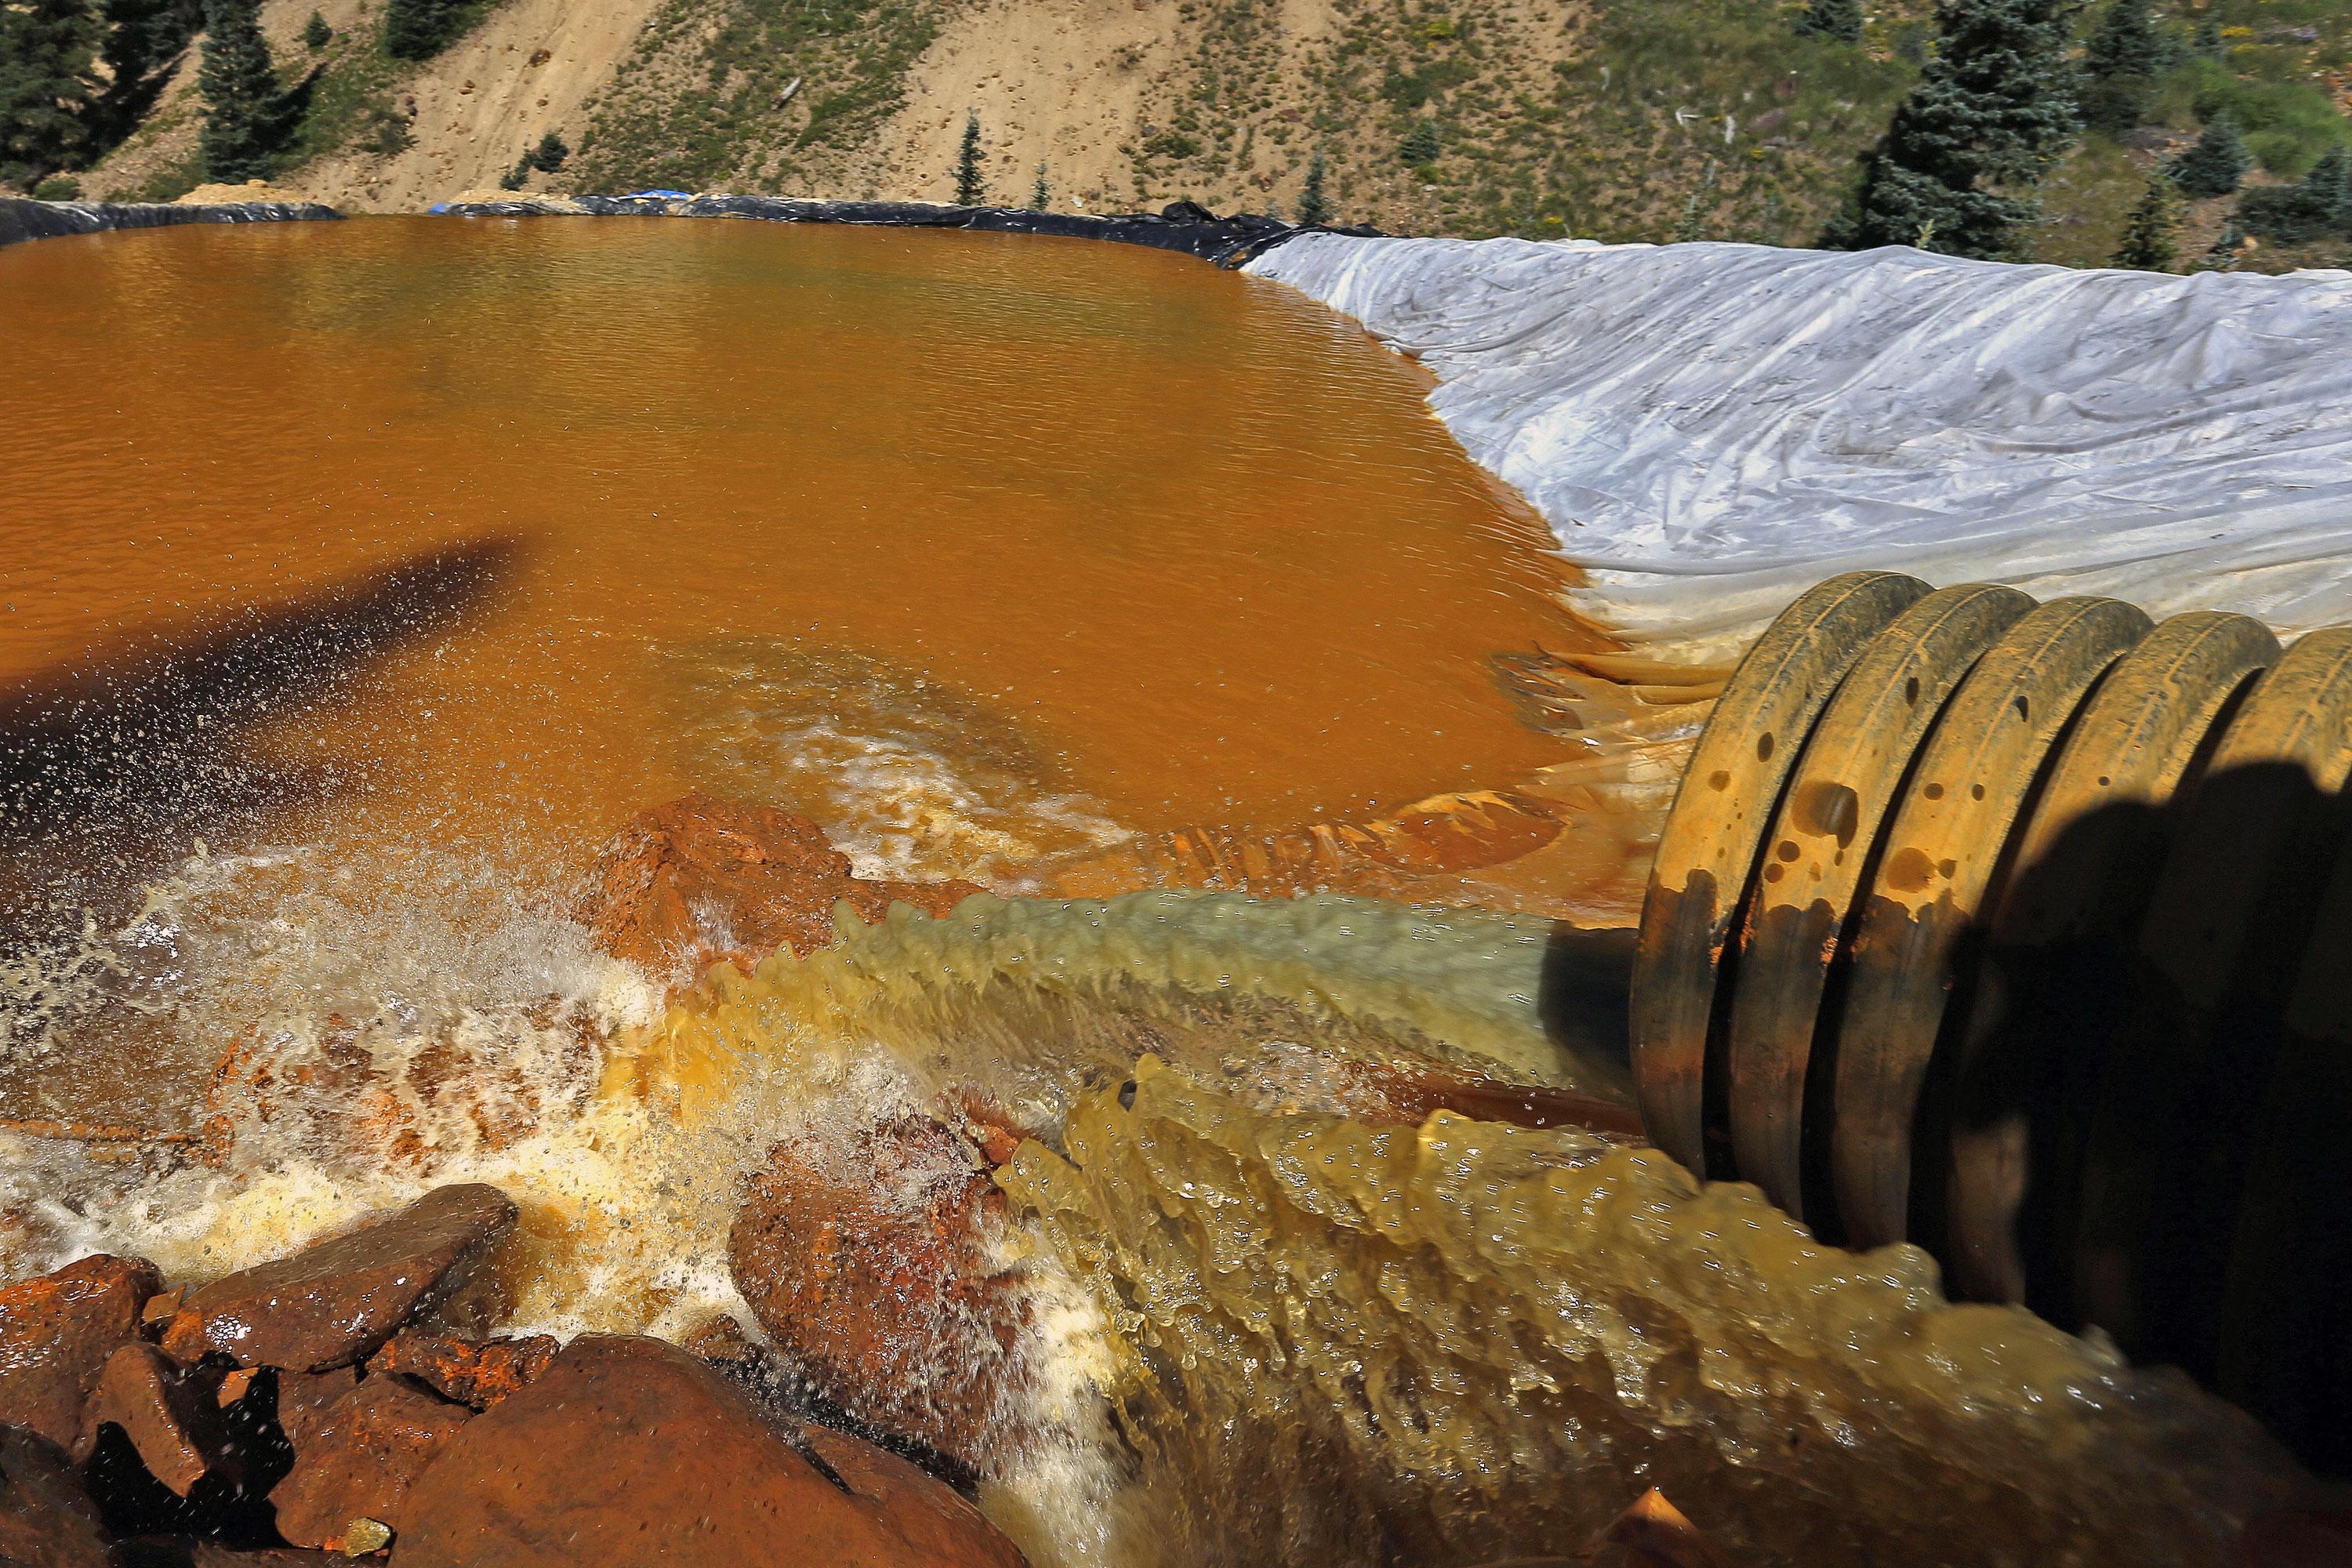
(354, 1397)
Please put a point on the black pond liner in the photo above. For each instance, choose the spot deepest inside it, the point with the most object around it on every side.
(1184, 227)
(22, 218)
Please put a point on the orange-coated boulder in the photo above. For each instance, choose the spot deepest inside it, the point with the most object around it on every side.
(474, 1374)
(630, 1451)
(358, 1458)
(703, 880)
(56, 1332)
(869, 1268)
(337, 1300)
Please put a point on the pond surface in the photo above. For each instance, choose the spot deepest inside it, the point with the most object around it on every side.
(1086, 538)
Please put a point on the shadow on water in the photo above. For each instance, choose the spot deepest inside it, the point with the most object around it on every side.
(111, 764)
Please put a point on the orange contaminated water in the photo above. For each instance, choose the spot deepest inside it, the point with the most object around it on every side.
(1168, 542)
(362, 540)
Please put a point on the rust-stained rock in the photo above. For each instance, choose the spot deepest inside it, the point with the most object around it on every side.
(357, 1461)
(336, 1302)
(475, 1375)
(631, 1451)
(702, 879)
(305, 1397)
(46, 1521)
(870, 1271)
(170, 1415)
(56, 1332)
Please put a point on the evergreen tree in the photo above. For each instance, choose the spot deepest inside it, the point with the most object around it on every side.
(970, 189)
(2120, 63)
(48, 55)
(142, 36)
(1314, 204)
(1039, 197)
(316, 33)
(2152, 237)
(2316, 207)
(2208, 39)
(1421, 144)
(419, 29)
(2216, 164)
(1993, 107)
(550, 155)
(240, 88)
(1839, 19)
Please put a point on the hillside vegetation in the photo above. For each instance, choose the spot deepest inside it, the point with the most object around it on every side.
(1620, 120)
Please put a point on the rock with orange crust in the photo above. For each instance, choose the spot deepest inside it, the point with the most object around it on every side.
(701, 880)
(868, 1267)
(56, 1334)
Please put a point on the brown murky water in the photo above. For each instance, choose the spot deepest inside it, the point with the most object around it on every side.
(1089, 539)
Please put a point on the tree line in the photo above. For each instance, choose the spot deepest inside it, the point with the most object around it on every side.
(77, 75)
(2002, 98)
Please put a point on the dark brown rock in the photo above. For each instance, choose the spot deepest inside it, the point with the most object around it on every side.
(305, 1397)
(703, 880)
(336, 1302)
(46, 1521)
(170, 1415)
(475, 1375)
(358, 1461)
(56, 1333)
(871, 1272)
(630, 1451)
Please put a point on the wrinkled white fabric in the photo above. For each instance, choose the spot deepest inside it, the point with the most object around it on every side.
(1712, 429)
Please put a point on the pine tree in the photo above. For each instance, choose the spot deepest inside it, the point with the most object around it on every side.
(970, 189)
(2215, 164)
(48, 54)
(240, 88)
(142, 36)
(1421, 144)
(1039, 197)
(2208, 39)
(1839, 19)
(419, 29)
(1314, 204)
(316, 33)
(550, 155)
(1992, 108)
(2120, 63)
(2152, 237)
(2316, 207)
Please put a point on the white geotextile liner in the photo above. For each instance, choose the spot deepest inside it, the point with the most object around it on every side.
(1712, 429)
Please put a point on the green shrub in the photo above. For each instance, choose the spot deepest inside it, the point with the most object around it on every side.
(2214, 166)
(1421, 144)
(2287, 125)
(2317, 206)
(57, 188)
(316, 33)
(1838, 19)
